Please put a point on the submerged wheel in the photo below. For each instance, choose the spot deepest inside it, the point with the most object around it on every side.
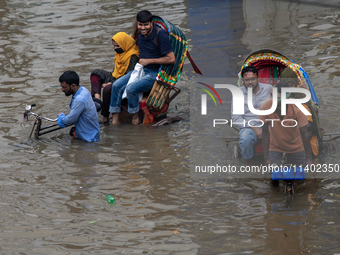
(289, 188)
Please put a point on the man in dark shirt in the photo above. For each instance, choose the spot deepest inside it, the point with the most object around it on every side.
(152, 56)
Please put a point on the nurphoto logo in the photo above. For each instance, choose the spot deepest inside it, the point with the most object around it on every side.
(238, 102)
(204, 97)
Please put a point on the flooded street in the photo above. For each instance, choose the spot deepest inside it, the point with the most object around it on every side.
(53, 188)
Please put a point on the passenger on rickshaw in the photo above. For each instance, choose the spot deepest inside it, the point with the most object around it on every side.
(290, 138)
(250, 134)
(126, 57)
(155, 50)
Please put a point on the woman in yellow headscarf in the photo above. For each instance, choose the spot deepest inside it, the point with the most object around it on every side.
(126, 57)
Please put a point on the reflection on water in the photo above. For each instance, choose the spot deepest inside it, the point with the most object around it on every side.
(53, 189)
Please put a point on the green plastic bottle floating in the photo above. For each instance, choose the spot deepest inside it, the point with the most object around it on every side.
(110, 199)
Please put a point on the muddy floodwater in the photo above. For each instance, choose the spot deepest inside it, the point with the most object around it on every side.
(52, 192)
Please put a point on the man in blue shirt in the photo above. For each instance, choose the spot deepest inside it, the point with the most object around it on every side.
(83, 111)
(152, 56)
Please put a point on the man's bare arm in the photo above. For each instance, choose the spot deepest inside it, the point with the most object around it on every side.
(265, 143)
(258, 132)
(306, 144)
(135, 31)
(168, 59)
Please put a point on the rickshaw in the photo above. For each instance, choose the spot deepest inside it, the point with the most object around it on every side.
(154, 104)
(270, 64)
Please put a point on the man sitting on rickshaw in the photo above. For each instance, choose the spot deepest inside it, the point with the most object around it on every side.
(155, 50)
(250, 134)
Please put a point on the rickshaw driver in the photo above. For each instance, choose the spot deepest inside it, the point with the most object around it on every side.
(83, 111)
(249, 135)
(292, 139)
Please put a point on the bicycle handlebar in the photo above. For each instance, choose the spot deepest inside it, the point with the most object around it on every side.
(28, 111)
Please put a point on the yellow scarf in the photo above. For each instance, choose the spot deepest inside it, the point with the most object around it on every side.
(127, 43)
